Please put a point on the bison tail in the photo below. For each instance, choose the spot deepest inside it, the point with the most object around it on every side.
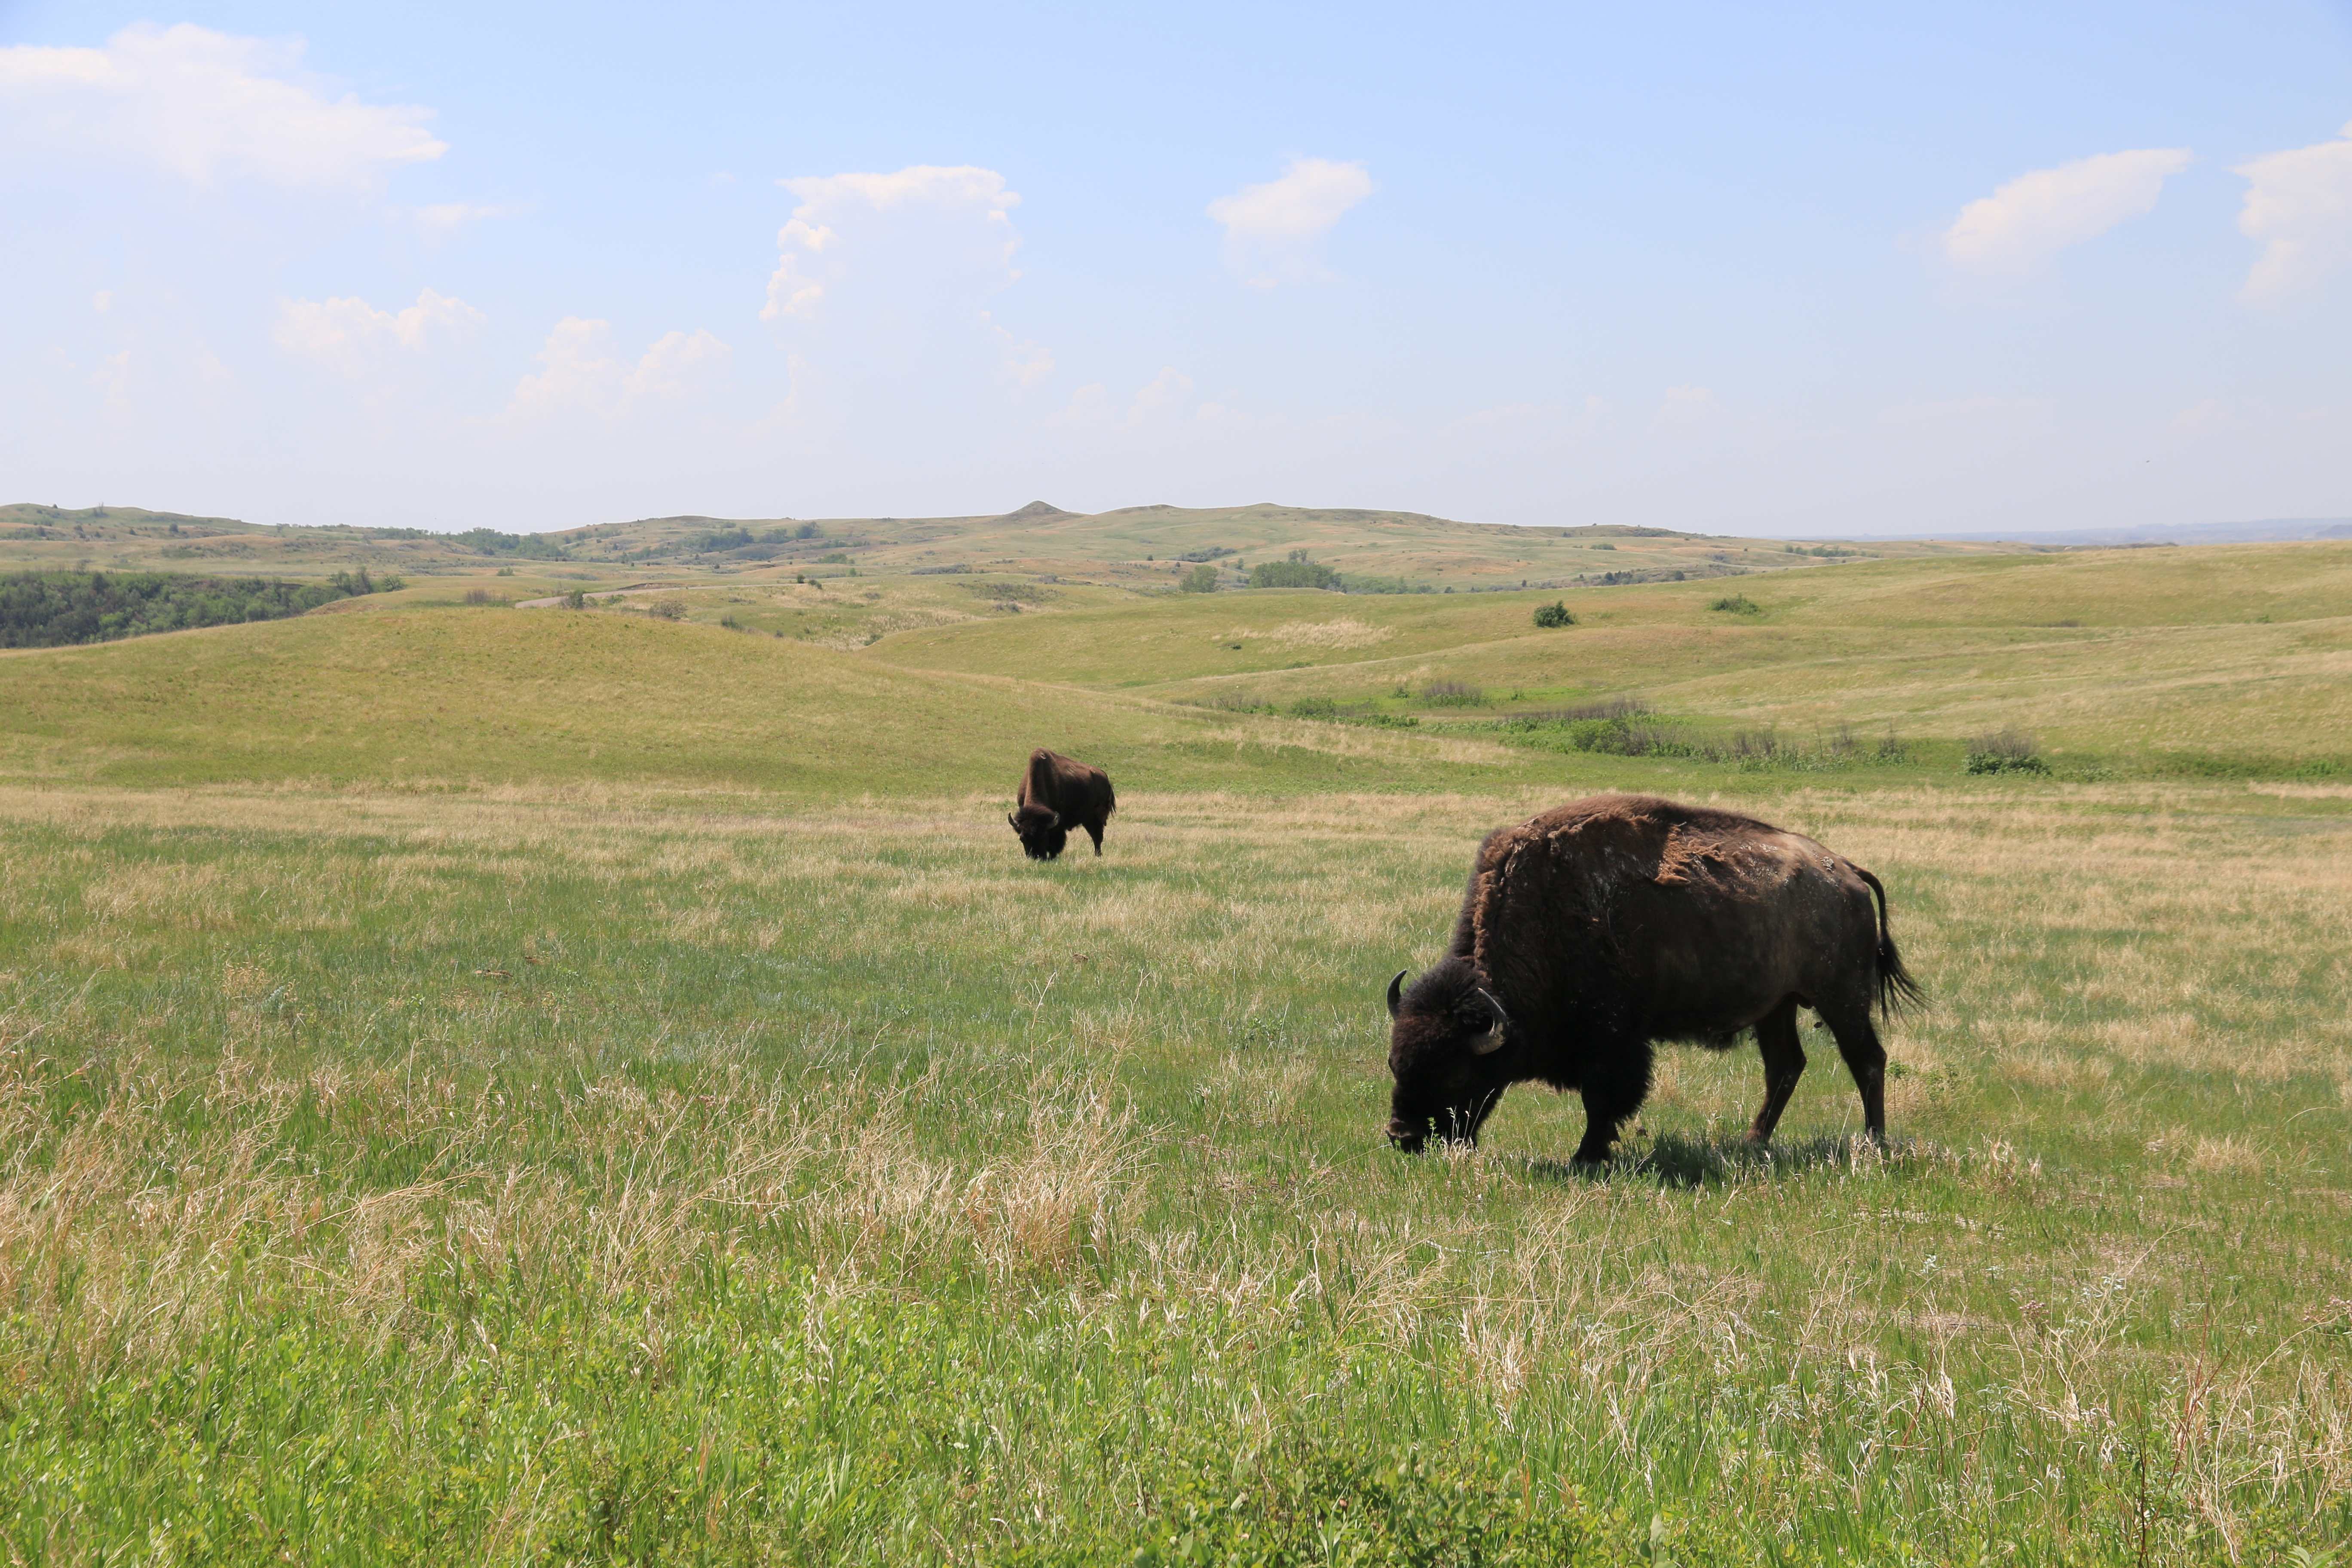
(1896, 990)
(1110, 796)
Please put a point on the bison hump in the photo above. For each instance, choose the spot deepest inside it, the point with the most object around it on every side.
(1563, 870)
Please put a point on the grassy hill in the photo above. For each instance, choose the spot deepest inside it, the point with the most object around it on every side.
(444, 696)
(485, 1084)
(1138, 546)
(2229, 660)
(2236, 656)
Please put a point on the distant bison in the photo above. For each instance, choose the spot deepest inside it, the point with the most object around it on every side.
(1057, 794)
(1600, 927)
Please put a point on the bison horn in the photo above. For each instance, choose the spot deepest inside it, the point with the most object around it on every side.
(1492, 1040)
(1396, 991)
(1011, 819)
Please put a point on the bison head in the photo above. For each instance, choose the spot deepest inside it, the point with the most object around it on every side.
(1447, 1040)
(1042, 833)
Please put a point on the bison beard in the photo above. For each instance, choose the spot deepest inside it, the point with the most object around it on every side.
(1056, 795)
(1594, 929)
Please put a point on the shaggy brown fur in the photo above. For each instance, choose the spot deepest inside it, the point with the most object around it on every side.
(1596, 928)
(1056, 795)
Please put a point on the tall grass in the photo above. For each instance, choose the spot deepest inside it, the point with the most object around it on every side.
(536, 1176)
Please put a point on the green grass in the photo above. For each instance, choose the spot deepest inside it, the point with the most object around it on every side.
(393, 1177)
(442, 697)
(2236, 661)
(539, 1086)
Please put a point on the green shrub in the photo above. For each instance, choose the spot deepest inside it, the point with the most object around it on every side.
(1737, 605)
(2004, 752)
(1295, 573)
(1454, 694)
(1554, 615)
(528, 546)
(1200, 579)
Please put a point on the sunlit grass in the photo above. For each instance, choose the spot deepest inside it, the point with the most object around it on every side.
(545, 1173)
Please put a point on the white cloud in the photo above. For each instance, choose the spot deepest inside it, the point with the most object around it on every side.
(1273, 231)
(796, 289)
(203, 104)
(2034, 216)
(2299, 207)
(580, 373)
(347, 332)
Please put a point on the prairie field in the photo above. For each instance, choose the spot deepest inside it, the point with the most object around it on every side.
(555, 1087)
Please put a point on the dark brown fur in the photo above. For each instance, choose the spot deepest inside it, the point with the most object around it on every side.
(1056, 795)
(1609, 923)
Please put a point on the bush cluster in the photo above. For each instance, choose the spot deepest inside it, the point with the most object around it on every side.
(1554, 615)
(51, 609)
(1624, 727)
(2005, 752)
(1297, 571)
(528, 546)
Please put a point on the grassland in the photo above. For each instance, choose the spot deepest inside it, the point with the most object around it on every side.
(1137, 547)
(503, 1085)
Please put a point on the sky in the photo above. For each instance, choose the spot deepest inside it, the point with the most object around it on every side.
(1823, 271)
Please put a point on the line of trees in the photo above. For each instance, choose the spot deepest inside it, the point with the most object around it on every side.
(52, 609)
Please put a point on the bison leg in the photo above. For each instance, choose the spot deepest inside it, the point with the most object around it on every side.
(1094, 831)
(1784, 1064)
(1613, 1089)
(1866, 1059)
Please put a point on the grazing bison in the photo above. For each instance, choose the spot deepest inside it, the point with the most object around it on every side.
(1057, 794)
(1602, 926)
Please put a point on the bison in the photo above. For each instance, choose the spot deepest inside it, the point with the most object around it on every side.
(1056, 795)
(1602, 926)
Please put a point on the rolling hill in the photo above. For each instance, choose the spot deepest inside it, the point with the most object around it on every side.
(1135, 546)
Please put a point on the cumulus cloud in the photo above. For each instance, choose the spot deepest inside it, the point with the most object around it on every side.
(1273, 232)
(2298, 208)
(2034, 216)
(205, 105)
(347, 332)
(579, 372)
(798, 284)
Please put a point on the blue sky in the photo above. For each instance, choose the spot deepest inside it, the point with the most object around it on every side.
(1819, 271)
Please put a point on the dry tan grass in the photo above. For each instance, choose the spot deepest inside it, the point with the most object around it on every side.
(1346, 632)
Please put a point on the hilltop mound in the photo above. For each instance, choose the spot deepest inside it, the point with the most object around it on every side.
(1037, 512)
